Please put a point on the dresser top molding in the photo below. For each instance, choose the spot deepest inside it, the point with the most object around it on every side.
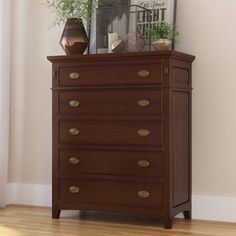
(120, 56)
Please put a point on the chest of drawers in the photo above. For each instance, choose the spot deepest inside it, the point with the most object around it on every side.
(122, 133)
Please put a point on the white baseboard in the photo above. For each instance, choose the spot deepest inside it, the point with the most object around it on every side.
(213, 208)
(29, 194)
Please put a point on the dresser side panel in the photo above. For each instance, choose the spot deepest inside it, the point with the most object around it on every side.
(181, 142)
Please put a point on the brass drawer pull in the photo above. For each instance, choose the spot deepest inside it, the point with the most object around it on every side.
(74, 189)
(143, 132)
(74, 160)
(143, 103)
(74, 103)
(143, 194)
(74, 75)
(143, 73)
(143, 163)
(74, 131)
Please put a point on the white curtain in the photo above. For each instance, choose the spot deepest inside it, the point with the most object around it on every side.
(5, 28)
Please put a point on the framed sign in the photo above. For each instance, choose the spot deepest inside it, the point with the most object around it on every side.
(162, 10)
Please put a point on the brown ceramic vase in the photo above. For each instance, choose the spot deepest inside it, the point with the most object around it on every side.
(74, 39)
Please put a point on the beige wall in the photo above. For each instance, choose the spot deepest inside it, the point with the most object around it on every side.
(207, 31)
(30, 134)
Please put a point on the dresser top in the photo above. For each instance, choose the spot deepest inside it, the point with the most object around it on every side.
(125, 56)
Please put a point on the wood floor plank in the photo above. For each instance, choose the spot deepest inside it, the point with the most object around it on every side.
(36, 221)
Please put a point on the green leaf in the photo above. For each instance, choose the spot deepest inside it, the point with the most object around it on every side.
(64, 9)
(162, 30)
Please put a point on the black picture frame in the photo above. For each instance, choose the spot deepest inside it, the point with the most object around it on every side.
(111, 3)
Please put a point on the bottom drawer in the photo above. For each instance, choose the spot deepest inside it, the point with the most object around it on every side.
(111, 193)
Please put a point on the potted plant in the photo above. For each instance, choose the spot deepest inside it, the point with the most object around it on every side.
(73, 13)
(162, 35)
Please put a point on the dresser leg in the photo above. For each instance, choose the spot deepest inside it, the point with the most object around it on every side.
(55, 212)
(187, 215)
(168, 223)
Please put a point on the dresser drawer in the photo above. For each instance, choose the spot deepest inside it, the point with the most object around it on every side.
(110, 132)
(146, 164)
(112, 102)
(111, 74)
(111, 192)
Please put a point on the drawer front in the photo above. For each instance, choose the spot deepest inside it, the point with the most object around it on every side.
(115, 102)
(149, 164)
(111, 74)
(111, 192)
(111, 132)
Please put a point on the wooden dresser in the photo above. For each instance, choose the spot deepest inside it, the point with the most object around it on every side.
(122, 133)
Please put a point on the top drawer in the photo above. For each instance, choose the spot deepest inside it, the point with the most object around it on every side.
(119, 74)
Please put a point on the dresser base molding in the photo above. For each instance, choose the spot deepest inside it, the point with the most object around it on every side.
(158, 213)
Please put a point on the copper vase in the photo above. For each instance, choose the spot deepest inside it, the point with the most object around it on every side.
(74, 39)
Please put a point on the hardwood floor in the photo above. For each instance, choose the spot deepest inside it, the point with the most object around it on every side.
(36, 221)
